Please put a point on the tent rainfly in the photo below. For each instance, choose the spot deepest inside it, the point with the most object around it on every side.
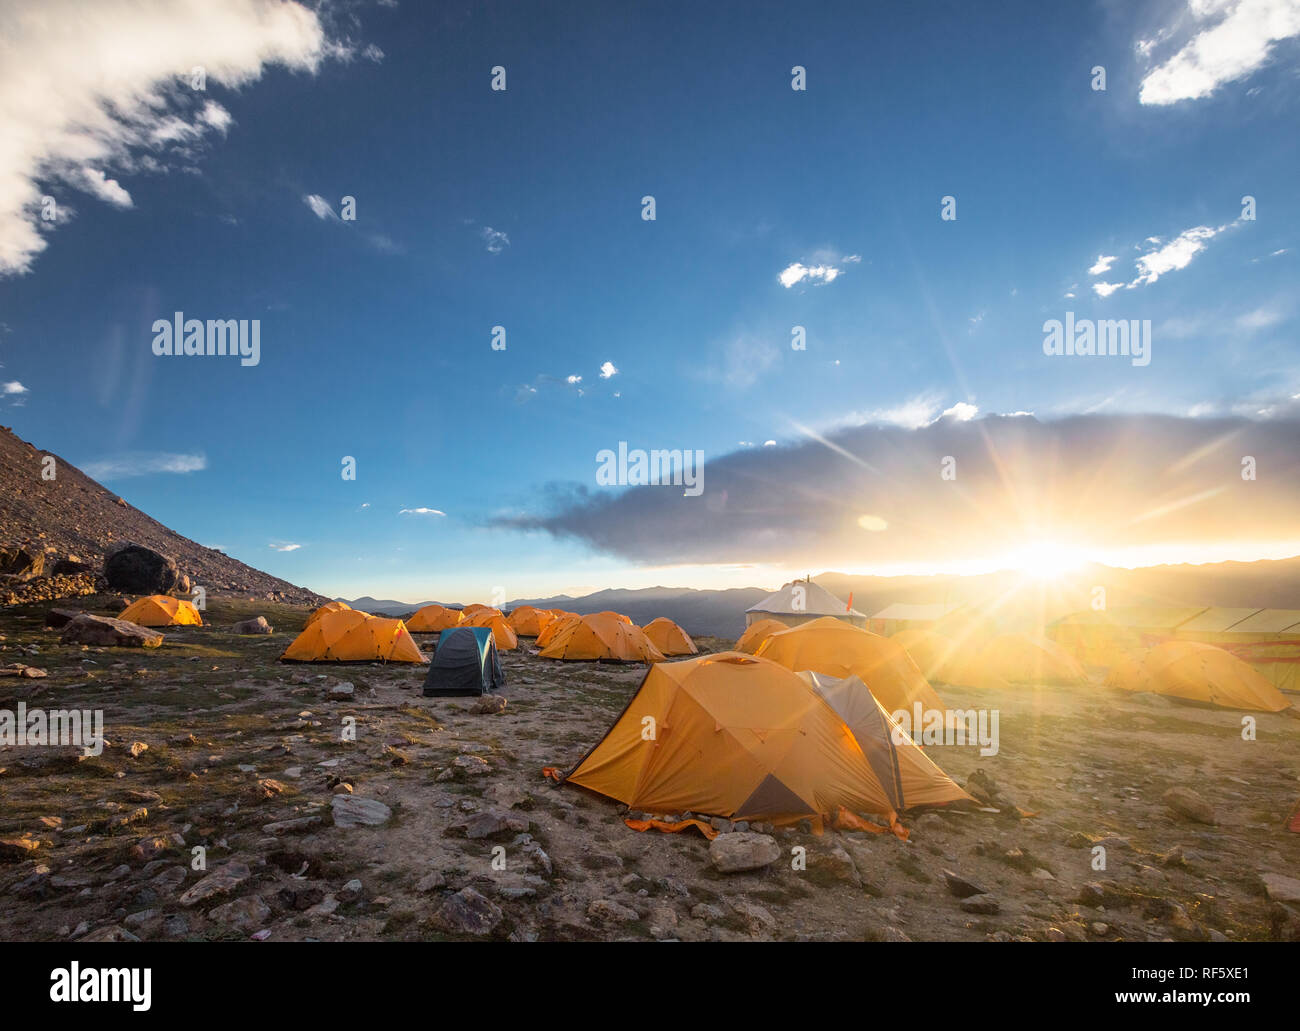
(802, 601)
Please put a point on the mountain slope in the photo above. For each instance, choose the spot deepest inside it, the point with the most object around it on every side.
(72, 515)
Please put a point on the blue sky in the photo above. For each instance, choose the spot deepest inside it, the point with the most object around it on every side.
(522, 208)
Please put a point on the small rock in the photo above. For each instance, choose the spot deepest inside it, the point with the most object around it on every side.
(983, 904)
(354, 811)
(961, 887)
(242, 914)
(607, 911)
(468, 912)
(1186, 802)
(734, 853)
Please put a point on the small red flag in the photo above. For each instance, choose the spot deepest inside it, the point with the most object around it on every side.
(849, 606)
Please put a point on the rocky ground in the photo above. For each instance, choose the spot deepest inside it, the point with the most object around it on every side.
(436, 820)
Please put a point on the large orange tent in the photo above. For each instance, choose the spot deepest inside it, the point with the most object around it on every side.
(758, 632)
(502, 633)
(162, 610)
(476, 609)
(1198, 672)
(740, 737)
(433, 619)
(601, 637)
(527, 621)
(839, 649)
(351, 636)
(553, 628)
(1027, 659)
(329, 606)
(669, 638)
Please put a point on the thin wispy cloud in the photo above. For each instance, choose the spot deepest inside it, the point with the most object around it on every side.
(421, 511)
(320, 207)
(284, 547)
(144, 463)
(495, 240)
(1102, 264)
(92, 92)
(1232, 40)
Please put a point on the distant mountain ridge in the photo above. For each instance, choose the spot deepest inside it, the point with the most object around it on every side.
(1021, 602)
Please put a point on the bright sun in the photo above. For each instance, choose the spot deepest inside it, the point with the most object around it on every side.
(1047, 560)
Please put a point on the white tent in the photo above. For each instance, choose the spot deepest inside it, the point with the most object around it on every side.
(800, 601)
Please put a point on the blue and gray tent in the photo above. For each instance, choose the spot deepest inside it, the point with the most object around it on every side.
(466, 663)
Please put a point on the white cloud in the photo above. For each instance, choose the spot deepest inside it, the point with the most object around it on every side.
(495, 240)
(284, 547)
(92, 91)
(1176, 254)
(1161, 258)
(797, 273)
(320, 207)
(1260, 318)
(607, 370)
(769, 443)
(12, 387)
(1234, 47)
(421, 511)
(104, 188)
(143, 463)
(911, 414)
(573, 379)
(961, 412)
(1102, 264)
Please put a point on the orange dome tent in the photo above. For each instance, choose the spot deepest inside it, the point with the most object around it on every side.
(758, 632)
(1027, 659)
(502, 633)
(329, 606)
(669, 638)
(433, 619)
(351, 636)
(527, 621)
(476, 609)
(838, 649)
(554, 627)
(744, 738)
(601, 637)
(162, 610)
(1198, 672)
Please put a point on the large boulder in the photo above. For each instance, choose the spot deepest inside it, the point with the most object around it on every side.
(22, 563)
(58, 618)
(734, 853)
(103, 632)
(257, 625)
(136, 569)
